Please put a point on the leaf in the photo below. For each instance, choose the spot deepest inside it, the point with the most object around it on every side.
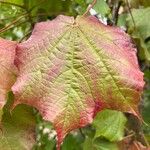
(142, 24)
(99, 144)
(72, 68)
(141, 33)
(18, 2)
(146, 96)
(7, 69)
(122, 20)
(72, 142)
(80, 2)
(138, 3)
(18, 129)
(110, 124)
(49, 7)
(101, 7)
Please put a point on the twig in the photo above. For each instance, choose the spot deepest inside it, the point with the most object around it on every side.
(28, 13)
(25, 36)
(115, 11)
(10, 18)
(82, 133)
(129, 136)
(11, 24)
(89, 7)
(16, 25)
(135, 125)
(13, 4)
(128, 5)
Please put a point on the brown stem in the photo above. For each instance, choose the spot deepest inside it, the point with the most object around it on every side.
(130, 135)
(9, 26)
(115, 11)
(89, 7)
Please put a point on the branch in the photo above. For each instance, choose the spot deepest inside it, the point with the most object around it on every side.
(25, 36)
(10, 18)
(89, 7)
(128, 5)
(9, 26)
(115, 11)
(82, 134)
(135, 125)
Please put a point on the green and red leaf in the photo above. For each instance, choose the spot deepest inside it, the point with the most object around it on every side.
(70, 69)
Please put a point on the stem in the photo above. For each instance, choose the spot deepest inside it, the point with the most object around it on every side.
(25, 36)
(13, 4)
(89, 7)
(135, 125)
(28, 14)
(81, 132)
(130, 135)
(9, 26)
(10, 18)
(128, 5)
(115, 14)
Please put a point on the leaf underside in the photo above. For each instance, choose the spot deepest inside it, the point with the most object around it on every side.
(70, 69)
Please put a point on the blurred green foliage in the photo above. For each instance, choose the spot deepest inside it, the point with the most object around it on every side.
(99, 144)
(17, 19)
(105, 128)
(140, 31)
(18, 127)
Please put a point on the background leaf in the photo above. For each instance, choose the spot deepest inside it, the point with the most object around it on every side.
(140, 31)
(110, 124)
(99, 144)
(18, 128)
(101, 7)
